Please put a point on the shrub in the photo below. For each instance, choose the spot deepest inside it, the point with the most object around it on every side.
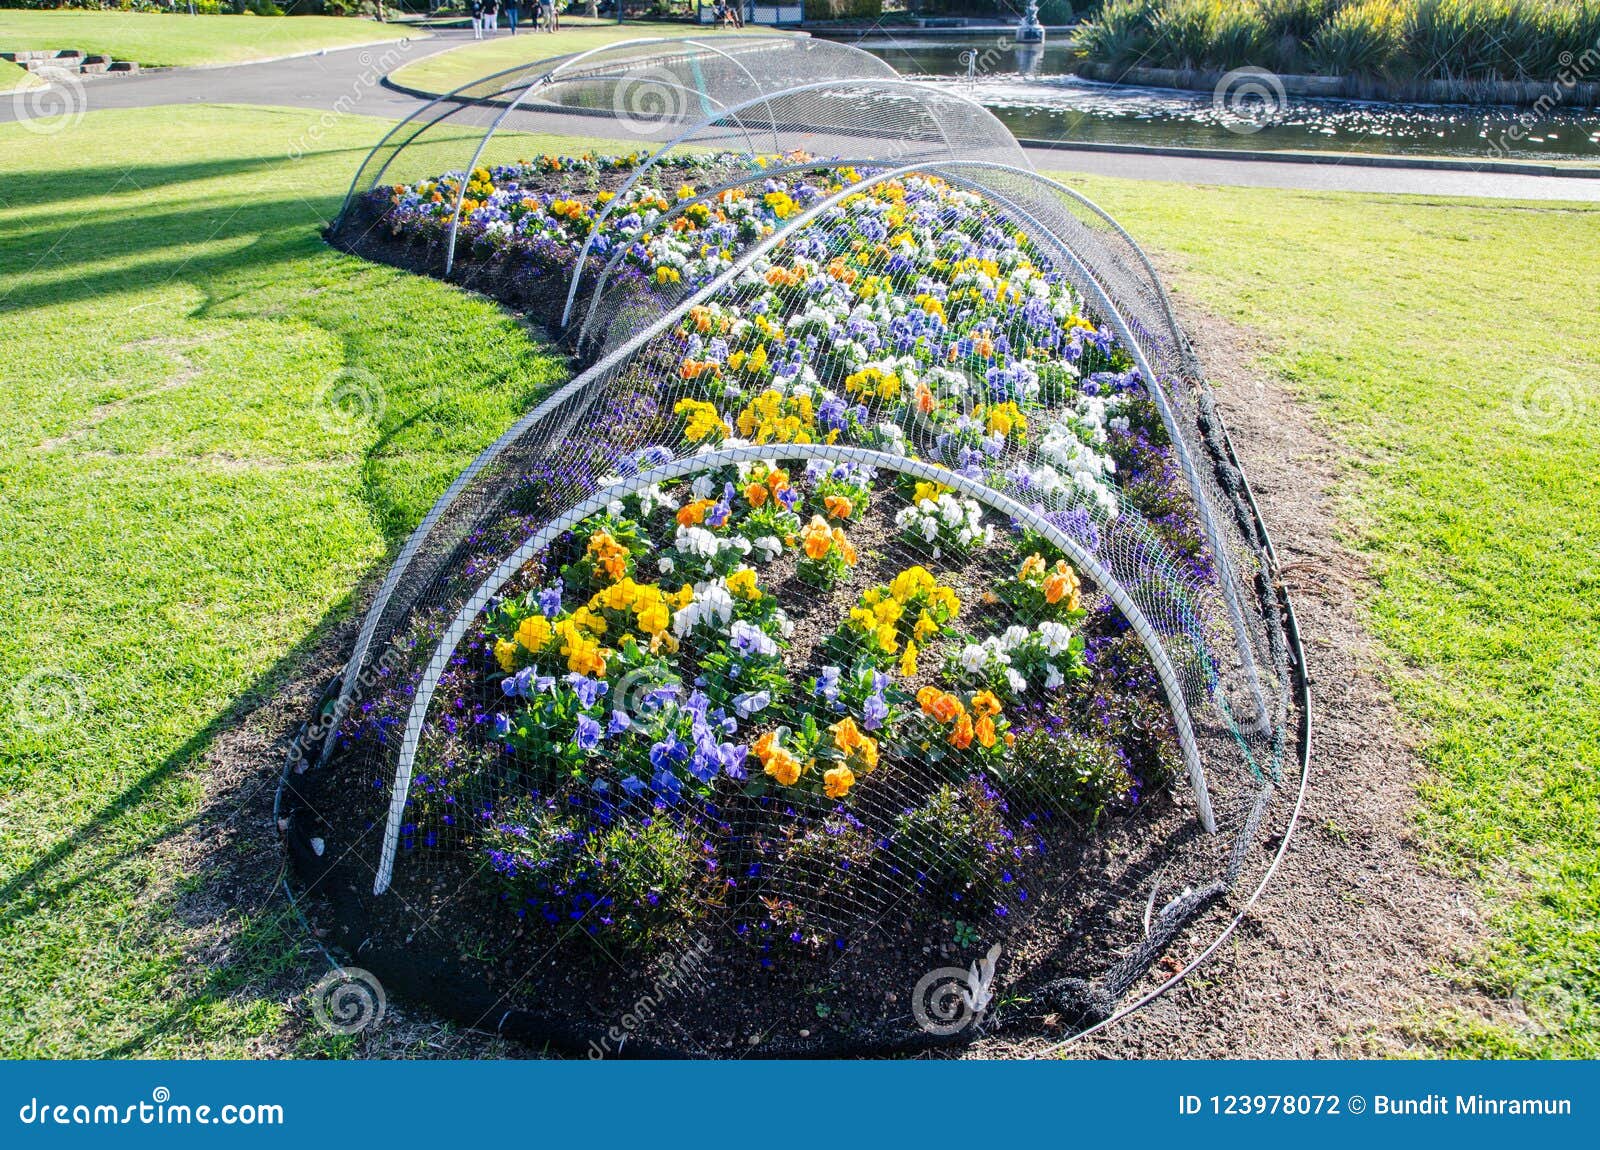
(1429, 39)
(956, 840)
(1365, 38)
(1066, 772)
(1120, 35)
(1181, 31)
(635, 881)
(1238, 37)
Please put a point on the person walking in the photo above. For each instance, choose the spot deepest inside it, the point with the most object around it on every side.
(475, 10)
(491, 16)
(552, 23)
(512, 12)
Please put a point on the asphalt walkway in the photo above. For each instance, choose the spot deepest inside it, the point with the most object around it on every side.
(349, 82)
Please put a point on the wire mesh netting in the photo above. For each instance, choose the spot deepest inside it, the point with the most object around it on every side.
(872, 645)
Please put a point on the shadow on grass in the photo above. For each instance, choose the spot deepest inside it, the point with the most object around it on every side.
(387, 322)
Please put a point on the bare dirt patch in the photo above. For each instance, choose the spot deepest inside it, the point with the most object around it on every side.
(1348, 942)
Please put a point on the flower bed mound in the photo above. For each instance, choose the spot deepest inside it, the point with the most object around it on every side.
(814, 694)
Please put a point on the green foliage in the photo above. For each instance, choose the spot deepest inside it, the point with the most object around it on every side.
(1362, 39)
(635, 882)
(1120, 35)
(956, 841)
(1065, 772)
(1425, 39)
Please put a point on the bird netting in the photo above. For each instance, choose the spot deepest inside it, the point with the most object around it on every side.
(880, 597)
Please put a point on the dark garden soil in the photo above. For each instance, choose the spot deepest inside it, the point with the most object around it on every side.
(1349, 946)
(444, 934)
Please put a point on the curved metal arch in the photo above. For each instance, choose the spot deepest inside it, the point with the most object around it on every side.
(588, 243)
(552, 77)
(1101, 299)
(1227, 580)
(1072, 193)
(530, 71)
(706, 461)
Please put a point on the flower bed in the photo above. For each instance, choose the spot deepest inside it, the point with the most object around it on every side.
(784, 694)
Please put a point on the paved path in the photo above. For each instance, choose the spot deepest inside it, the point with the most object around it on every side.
(348, 80)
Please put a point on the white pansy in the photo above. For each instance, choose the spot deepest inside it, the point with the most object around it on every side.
(1055, 637)
(696, 541)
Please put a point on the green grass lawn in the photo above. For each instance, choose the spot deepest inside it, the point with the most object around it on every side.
(185, 516)
(158, 39)
(13, 77)
(446, 71)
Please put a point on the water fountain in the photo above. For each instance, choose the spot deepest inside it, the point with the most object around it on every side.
(1029, 30)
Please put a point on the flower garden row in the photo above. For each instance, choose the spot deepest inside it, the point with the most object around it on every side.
(778, 688)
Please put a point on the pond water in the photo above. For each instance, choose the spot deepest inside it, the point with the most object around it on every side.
(1027, 87)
